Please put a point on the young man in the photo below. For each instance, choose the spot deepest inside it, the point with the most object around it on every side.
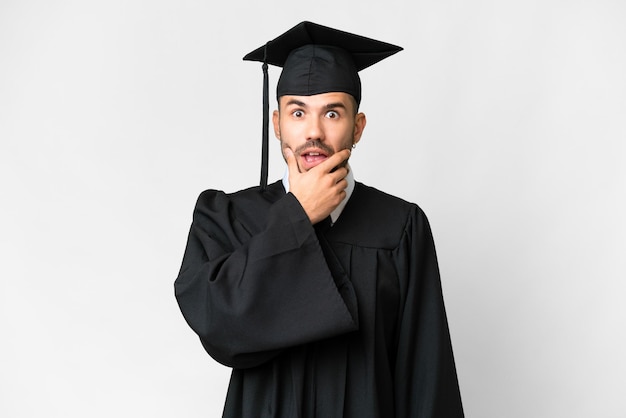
(321, 293)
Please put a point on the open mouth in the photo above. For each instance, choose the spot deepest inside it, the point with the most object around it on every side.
(312, 153)
(313, 157)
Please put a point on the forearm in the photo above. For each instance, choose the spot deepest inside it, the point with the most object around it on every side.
(247, 304)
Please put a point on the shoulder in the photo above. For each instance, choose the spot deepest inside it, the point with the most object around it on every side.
(378, 219)
(253, 196)
(368, 195)
(387, 207)
(248, 206)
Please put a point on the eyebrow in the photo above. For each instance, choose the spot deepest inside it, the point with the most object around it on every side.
(335, 105)
(295, 102)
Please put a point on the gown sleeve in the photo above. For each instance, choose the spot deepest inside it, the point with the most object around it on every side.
(250, 294)
(425, 377)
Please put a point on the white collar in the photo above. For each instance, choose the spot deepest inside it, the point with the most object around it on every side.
(334, 215)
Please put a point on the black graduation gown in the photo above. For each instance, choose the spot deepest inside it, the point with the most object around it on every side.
(327, 321)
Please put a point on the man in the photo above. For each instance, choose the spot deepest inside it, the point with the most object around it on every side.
(321, 293)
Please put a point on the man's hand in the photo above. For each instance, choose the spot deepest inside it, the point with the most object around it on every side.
(322, 188)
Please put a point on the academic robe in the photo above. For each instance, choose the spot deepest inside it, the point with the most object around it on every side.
(327, 321)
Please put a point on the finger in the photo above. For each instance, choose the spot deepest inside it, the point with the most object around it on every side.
(339, 174)
(292, 164)
(341, 185)
(334, 160)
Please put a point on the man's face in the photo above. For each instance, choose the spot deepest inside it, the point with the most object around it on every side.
(315, 127)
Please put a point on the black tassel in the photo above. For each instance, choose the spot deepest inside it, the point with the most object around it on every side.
(266, 121)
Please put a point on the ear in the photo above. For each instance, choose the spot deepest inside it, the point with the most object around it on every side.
(275, 120)
(359, 125)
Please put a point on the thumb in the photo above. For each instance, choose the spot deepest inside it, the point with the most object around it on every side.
(292, 164)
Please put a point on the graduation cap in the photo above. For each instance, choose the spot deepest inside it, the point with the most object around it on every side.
(315, 59)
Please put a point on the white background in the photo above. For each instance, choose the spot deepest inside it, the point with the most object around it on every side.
(503, 120)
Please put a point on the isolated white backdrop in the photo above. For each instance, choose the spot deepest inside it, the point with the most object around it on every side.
(504, 120)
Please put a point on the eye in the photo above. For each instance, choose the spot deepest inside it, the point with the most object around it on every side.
(331, 114)
(297, 113)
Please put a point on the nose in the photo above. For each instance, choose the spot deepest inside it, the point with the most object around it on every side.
(315, 130)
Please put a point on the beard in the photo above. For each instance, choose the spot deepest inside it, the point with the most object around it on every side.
(316, 143)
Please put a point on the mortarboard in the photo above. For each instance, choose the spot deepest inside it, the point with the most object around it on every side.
(315, 59)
